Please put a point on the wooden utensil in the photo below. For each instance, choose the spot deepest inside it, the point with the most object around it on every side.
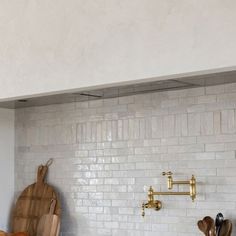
(33, 203)
(230, 230)
(202, 225)
(210, 225)
(49, 224)
(226, 228)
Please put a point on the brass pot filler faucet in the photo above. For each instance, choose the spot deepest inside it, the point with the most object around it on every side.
(156, 204)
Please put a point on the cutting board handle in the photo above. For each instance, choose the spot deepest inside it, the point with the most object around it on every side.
(52, 206)
(42, 171)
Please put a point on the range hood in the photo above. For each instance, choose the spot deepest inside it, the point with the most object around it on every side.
(145, 87)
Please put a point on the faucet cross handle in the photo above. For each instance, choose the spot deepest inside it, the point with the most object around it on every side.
(143, 209)
(169, 179)
(168, 173)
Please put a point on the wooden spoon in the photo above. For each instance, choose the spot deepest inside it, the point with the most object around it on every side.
(210, 225)
(226, 228)
(203, 227)
(230, 230)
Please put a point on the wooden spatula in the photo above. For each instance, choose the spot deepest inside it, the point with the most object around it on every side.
(49, 224)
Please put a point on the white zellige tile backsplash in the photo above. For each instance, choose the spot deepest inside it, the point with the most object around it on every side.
(108, 152)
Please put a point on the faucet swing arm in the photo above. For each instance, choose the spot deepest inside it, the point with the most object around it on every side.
(171, 193)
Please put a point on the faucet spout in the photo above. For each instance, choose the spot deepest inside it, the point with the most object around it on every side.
(155, 204)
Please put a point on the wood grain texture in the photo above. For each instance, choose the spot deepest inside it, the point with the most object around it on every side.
(33, 203)
(49, 224)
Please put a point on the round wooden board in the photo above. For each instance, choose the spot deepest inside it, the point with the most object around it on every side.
(33, 203)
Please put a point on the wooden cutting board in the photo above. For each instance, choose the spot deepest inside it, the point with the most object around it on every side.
(33, 203)
(49, 224)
